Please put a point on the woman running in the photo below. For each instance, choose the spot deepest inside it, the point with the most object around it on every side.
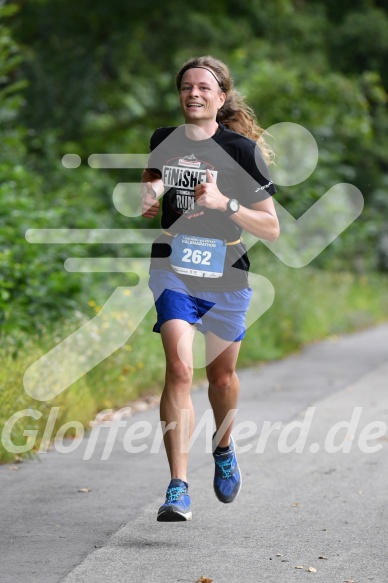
(213, 173)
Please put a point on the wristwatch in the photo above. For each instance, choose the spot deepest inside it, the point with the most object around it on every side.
(233, 207)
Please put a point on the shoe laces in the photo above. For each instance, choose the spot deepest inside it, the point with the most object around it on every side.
(174, 493)
(226, 466)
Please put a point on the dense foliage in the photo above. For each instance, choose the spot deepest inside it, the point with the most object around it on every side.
(100, 78)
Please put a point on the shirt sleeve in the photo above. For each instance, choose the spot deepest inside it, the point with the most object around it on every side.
(257, 184)
(154, 164)
(156, 157)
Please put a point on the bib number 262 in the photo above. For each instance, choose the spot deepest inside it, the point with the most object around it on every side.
(196, 256)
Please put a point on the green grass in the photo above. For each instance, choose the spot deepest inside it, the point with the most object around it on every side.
(309, 305)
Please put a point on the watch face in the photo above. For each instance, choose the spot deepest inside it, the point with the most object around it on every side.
(234, 205)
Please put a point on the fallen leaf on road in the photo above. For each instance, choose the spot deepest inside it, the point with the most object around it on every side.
(14, 468)
(299, 567)
(295, 504)
(204, 580)
(311, 569)
(349, 581)
(85, 490)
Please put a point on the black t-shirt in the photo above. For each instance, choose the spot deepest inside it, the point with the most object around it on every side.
(237, 165)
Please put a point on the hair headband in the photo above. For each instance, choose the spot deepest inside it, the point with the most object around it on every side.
(206, 69)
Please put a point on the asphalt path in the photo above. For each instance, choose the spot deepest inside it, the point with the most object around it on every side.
(294, 506)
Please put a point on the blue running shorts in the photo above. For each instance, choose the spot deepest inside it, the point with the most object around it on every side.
(225, 311)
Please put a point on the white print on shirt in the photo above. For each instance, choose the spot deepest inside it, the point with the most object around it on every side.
(184, 177)
(185, 201)
(265, 186)
(190, 161)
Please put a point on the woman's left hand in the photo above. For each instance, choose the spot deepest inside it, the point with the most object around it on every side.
(207, 194)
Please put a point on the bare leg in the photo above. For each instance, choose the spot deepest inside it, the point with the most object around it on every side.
(224, 386)
(175, 404)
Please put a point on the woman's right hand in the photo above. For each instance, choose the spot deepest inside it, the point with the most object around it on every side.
(150, 203)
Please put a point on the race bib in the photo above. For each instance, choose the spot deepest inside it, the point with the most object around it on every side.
(198, 256)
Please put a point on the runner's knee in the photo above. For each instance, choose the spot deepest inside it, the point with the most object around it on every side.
(178, 373)
(220, 380)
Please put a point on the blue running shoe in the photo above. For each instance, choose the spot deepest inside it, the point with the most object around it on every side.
(227, 475)
(177, 505)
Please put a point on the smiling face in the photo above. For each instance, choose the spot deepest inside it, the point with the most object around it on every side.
(201, 97)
